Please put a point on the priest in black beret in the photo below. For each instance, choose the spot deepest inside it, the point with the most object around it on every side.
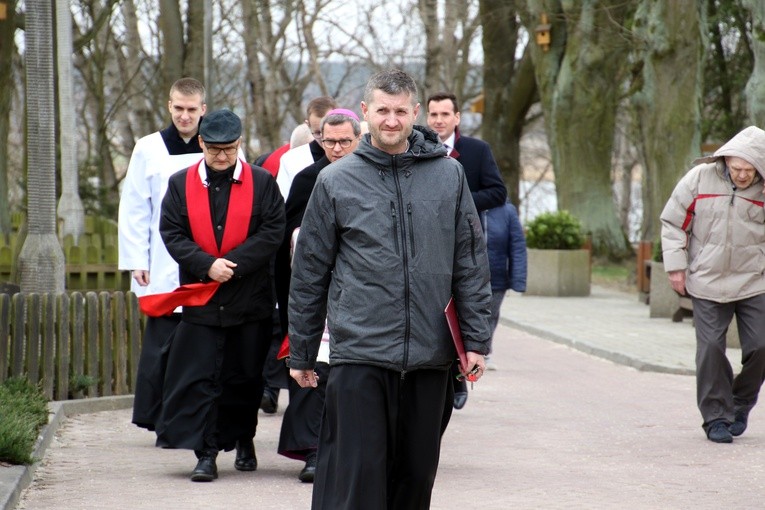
(222, 221)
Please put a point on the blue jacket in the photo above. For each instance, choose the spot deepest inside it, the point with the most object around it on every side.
(506, 246)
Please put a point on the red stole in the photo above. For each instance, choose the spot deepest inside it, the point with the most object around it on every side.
(200, 220)
(237, 216)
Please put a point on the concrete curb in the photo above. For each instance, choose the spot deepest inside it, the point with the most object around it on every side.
(14, 479)
(616, 357)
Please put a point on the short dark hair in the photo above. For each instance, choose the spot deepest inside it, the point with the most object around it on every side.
(319, 106)
(443, 96)
(393, 82)
(188, 87)
(338, 119)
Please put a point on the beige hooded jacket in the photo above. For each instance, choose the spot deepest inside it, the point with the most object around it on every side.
(715, 231)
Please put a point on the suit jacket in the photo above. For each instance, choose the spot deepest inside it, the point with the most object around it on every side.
(481, 170)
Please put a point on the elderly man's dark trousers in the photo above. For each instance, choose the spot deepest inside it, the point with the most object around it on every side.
(380, 438)
(718, 393)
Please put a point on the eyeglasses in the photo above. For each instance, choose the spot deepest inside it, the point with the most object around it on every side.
(228, 151)
(330, 144)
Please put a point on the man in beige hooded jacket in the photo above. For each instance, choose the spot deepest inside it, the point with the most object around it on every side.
(713, 242)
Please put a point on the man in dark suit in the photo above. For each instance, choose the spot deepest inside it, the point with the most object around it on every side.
(485, 183)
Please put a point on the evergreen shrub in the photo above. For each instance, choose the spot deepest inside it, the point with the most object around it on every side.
(558, 230)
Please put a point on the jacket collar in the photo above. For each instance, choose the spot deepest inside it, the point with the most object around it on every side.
(455, 153)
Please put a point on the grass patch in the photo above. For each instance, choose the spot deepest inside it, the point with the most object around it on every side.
(615, 275)
(23, 412)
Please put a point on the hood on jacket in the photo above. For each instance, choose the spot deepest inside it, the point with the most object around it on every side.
(748, 144)
(423, 144)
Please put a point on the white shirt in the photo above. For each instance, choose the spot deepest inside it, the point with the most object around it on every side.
(449, 143)
(140, 245)
(290, 164)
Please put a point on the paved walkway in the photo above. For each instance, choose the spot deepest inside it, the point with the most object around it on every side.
(551, 428)
(612, 325)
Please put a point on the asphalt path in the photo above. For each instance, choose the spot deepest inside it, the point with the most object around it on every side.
(551, 428)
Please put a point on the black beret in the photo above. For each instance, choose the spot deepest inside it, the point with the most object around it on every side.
(220, 126)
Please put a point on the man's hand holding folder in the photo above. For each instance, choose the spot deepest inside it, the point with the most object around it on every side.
(472, 364)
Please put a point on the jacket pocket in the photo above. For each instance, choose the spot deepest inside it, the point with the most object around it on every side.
(472, 226)
(411, 228)
(394, 219)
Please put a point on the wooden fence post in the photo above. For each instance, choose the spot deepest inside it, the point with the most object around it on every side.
(134, 335)
(120, 344)
(17, 350)
(48, 343)
(107, 342)
(78, 342)
(91, 342)
(63, 350)
(33, 337)
(5, 334)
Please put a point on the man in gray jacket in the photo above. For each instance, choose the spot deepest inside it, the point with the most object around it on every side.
(713, 234)
(389, 235)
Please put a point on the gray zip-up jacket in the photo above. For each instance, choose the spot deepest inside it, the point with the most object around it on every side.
(715, 231)
(385, 242)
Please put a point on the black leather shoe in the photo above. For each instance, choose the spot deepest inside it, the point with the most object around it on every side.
(719, 433)
(245, 456)
(206, 470)
(739, 426)
(270, 401)
(309, 470)
(460, 399)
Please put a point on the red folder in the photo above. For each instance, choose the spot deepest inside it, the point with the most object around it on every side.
(454, 328)
(284, 349)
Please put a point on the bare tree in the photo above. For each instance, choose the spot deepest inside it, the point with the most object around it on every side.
(41, 261)
(276, 75)
(449, 36)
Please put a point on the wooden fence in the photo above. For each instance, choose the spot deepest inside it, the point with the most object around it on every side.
(91, 259)
(74, 345)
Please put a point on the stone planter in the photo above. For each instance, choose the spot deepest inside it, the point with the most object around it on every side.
(558, 272)
(663, 300)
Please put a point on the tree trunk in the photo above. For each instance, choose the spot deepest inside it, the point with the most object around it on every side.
(272, 88)
(71, 214)
(138, 78)
(577, 80)
(509, 90)
(194, 58)
(173, 46)
(755, 87)
(428, 10)
(7, 51)
(308, 19)
(667, 108)
(41, 262)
